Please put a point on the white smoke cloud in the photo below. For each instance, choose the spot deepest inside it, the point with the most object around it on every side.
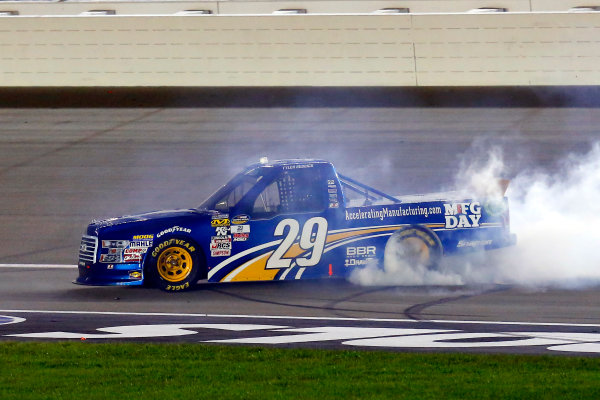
(400, 272)
(555, 215)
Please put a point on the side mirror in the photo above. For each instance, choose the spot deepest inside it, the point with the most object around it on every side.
(222, 206)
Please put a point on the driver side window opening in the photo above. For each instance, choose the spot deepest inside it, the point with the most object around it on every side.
(300, 190)
(232, 198)
(268, 201)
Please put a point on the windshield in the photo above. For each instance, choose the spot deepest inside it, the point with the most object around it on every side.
(229, 195)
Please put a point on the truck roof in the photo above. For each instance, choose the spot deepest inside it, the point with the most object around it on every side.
(264, 162)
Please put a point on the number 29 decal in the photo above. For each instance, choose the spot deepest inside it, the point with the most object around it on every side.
(309, 249)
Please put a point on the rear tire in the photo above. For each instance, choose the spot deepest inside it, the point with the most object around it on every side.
(174, 264)
(416, 246)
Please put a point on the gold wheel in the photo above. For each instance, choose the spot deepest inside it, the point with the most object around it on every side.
(416, 246)
(174, 264)
(416, 251)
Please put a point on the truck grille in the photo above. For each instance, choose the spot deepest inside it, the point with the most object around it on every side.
(87, 250)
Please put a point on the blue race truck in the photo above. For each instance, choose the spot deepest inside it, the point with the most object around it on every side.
(287, 220)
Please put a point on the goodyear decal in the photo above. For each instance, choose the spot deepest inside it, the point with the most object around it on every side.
(170, 242)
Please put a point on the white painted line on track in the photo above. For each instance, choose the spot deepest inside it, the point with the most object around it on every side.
(300, 318)
(5, 320)
(46, 266)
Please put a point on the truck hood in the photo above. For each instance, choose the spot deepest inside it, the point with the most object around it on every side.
(147, 218)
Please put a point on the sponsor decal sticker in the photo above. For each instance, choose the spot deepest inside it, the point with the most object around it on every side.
(240, 219)
(462, 215)
(110, 258)
(220, 222)
(220, 253)
(332, 192)
(135, 275)
(134, 255)
(220, 243)
(119, 244)
(240, 229)
(353, 262)
(361, 251)
(174, 229)
(240, 237)
(473, 243)
(385, 212)
(140, 244)
(221, 231)
(142, 237)
(125, 251)
(359, 255)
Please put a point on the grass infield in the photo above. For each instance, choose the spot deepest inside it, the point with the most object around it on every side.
(191, 371)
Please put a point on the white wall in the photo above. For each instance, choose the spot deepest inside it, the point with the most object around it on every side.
(301, 50)
(73, 7)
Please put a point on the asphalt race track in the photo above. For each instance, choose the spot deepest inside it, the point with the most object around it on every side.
(59, 168)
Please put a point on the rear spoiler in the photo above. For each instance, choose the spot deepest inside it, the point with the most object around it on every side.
(497, 188)
(503, 185)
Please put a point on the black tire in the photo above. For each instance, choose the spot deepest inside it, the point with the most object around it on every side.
(173, 264)
(416, 245)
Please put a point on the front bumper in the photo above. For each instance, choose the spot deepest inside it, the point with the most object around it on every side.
(100, 274)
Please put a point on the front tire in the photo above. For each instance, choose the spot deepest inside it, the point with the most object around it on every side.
(174, 264)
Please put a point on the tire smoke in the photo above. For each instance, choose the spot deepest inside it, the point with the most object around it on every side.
(555, 216)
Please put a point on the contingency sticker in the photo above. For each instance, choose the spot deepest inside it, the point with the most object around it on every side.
(220, 246)
(240, 233)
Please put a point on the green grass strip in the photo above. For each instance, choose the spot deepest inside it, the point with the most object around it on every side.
(85, 370)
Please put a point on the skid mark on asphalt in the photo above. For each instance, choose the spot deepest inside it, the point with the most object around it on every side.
(328, 307)
(413, 312)
(331, 306)
(416, 311)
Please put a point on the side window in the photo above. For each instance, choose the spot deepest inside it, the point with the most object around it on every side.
(236, 194)
(268, 202)
(294, 191)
